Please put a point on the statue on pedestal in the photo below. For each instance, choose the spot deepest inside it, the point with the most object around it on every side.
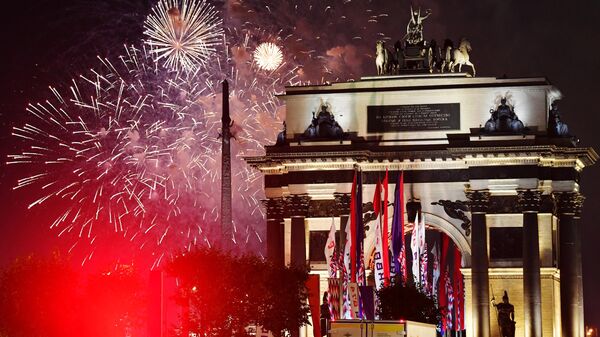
(504, 119)
(506, 316)
(323, 125)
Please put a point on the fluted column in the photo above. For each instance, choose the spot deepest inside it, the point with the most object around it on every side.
(529, 204)
(478, 203)
(568, 209)
(275, 230)
(296, 207)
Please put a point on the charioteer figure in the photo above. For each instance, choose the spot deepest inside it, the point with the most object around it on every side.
(414, 29)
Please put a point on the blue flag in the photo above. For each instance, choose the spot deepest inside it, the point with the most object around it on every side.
(398, 244)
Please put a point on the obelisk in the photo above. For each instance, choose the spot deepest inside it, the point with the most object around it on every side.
(226, 222)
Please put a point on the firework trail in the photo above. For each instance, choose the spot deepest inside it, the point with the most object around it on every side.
(130, 150)
(183, 34)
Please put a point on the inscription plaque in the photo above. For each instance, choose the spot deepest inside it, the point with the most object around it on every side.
(413, 117)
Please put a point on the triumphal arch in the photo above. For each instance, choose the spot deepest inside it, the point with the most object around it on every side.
(489, 162)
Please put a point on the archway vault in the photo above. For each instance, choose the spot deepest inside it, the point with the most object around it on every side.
(437, 222)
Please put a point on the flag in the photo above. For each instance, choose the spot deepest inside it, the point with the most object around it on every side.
(330, 250)
(414, 246)
(367, 300)
(334, 298)
(314, 304)
(360, 233)
(354, 296)
(378, 257)
(435, 252)
(442, 292)
(347, 271)
(351, 239)
(384, 233)
(458, 291)
(398, 244)
(425, 271)
(450, 293)
(423, 255)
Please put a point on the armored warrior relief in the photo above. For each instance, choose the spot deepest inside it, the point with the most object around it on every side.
(506, 316)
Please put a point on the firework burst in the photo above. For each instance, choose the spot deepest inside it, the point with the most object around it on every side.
(183, 34)
(268, 56)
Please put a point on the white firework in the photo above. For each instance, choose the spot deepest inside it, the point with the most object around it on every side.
(268, 56)
(183, 34)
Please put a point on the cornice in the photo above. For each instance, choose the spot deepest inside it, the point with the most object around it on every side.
(451, 158)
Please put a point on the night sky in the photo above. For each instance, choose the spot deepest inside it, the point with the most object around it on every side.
(48, 42)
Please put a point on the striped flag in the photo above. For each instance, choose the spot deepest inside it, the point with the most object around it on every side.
(423, 255)
(442, 291)
(425, 272)
(435, 252)
(330, 250)
(347, 271)
(416, 256)
(450, 293)
(334, 298)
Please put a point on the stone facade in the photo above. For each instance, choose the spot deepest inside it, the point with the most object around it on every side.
(531, 181)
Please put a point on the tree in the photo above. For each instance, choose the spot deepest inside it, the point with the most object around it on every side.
(222, 294)
(398, 302)
(44, 296)
(38, 297)
(111, 303)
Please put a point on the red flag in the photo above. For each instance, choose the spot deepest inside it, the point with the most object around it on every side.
(377, 200)
(353, 231)
(378, 260)
(312, 284)
(458, 291)
(384, 233)
(442, 296)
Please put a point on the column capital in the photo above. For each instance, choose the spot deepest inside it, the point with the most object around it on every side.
(342, 203)
(296, 205)
(529, 200)
(568, 202)
(274, 208)
(479, 200)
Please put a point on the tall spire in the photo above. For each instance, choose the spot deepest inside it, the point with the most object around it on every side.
(226, 222)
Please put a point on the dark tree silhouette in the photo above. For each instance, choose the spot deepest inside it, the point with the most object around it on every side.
(222, 295)
(37, 297)
(44, 296)
(407, 302)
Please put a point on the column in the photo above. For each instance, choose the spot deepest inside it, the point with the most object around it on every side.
(529, 203)
(478, 202)
(568, 209)
(296, 207)
(342, 209)
(275, 234)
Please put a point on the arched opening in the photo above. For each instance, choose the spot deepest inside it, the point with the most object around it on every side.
(441, 254)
